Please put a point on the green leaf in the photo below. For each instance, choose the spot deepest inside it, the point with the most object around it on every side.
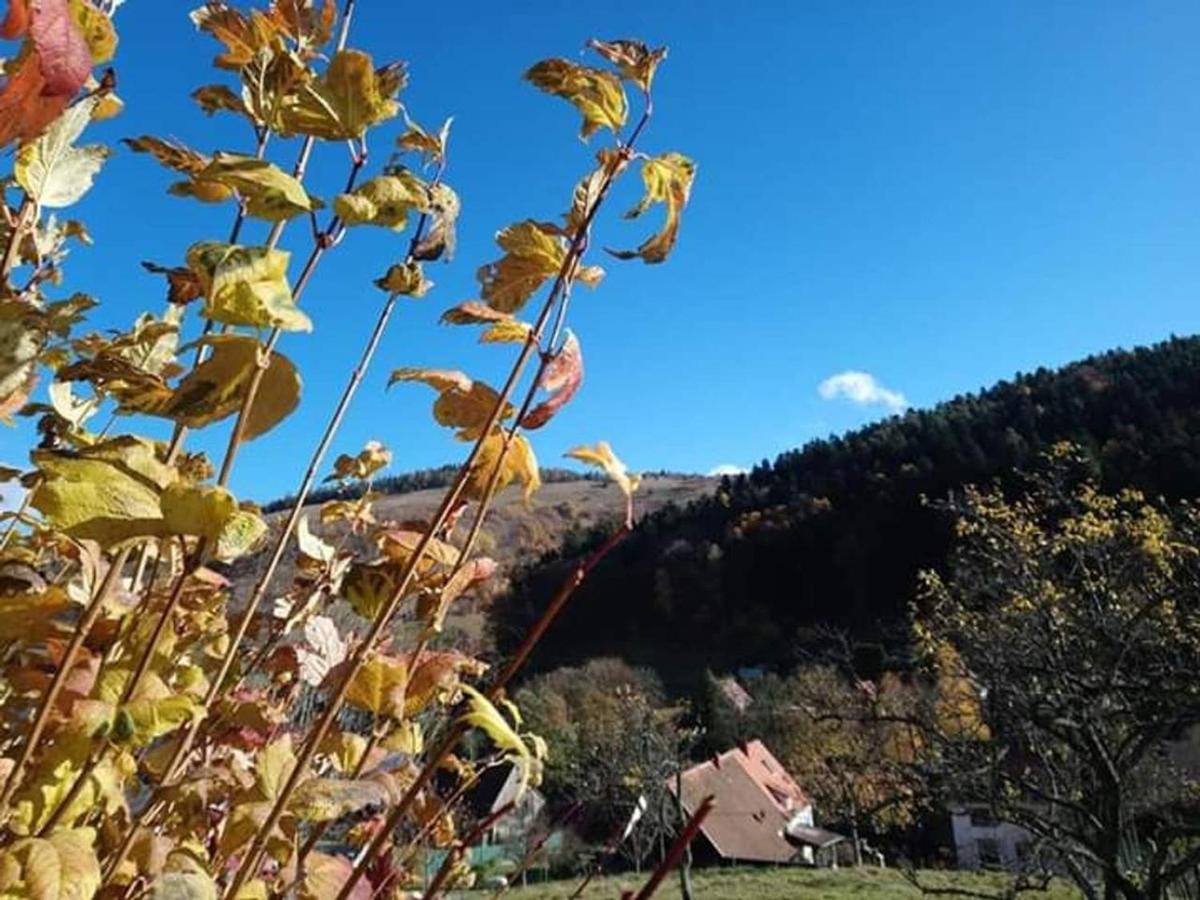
(52, 170)
(141, 721)
(246, 286)
(240, 535)
(107, 493)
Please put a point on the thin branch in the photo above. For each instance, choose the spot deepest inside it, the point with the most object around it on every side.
(682, 841)
(42, 717)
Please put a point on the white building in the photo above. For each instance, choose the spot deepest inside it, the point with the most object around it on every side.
(981, 842)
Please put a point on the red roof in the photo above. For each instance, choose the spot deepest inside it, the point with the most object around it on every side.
(755, 800)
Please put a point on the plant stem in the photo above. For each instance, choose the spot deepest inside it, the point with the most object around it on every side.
(682, 841)
(450, 741)
(455, 855)
(27, 209)
(16, 519)
(282, 543)
(42, 717)
(253, 855)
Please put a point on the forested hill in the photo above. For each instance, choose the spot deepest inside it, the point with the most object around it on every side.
(834, 533)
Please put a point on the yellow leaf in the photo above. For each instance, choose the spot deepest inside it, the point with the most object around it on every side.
(379, 687)
(240, 535)
(327, 799)
(182, 159)
(246, 286)
(602, 457)
(418, 140)
(215, 97)
(307, 22)
(244, 37)
(597, 94)
(184, 886)
(350, 97)
(97, 30)
(532, 254)
(461, 403)
(269, 192)
(324, 876)
(50, 783)
(474, 572)
(196, 509)
(108, 492)
(62, 866)
(472, 312)
(373, 457)
(634, 59)
(511, 332)
(29, 616)
(405, 278)
(140, 722)
(518, 462)
(367, 587)
(384, 201)
(215, 388)
(668, 179)
(273, 767)
(399, 545)
(51, 169)
(483, 715)
(406, 737)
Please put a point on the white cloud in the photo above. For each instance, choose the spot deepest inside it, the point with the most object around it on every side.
(726, 469)
(861, 388)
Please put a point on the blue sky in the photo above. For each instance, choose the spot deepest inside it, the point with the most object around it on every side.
(936, 195)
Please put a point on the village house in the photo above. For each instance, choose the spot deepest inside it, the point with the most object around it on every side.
(756, 804)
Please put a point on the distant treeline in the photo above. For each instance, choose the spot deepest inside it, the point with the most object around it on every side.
(834, 534)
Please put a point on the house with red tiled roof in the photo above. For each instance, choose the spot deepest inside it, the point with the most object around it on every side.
(755, 802)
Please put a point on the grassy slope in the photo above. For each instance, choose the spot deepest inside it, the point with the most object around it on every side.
(514, 533)
(788, 884)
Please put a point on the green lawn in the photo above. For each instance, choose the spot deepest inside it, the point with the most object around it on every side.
(785, 884)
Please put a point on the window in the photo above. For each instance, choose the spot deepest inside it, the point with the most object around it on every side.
(981, 819)
(988, 851)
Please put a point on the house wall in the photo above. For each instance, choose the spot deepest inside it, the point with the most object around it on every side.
(980, 843)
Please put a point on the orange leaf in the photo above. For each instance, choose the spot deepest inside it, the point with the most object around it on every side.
(562, 379)
(16, 23)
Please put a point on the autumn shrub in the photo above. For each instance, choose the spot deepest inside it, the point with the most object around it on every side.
(159, 734)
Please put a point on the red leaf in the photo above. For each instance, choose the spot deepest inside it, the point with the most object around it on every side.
(65, 58)
(16, 23)
(562, 378)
